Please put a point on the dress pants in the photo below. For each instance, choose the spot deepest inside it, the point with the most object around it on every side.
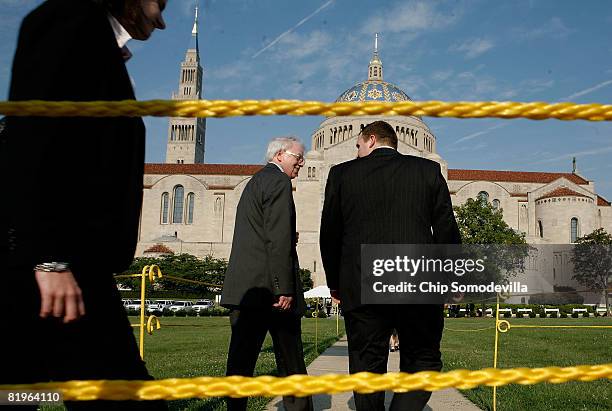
(369, 328)
(100, 345)
(249, 329)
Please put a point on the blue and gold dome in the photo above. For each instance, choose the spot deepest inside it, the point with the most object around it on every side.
(373, 90)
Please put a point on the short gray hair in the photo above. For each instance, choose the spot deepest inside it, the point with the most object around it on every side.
(280, 144)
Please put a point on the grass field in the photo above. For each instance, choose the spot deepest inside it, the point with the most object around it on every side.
(202, 350)
(529, 347)
(189, 347)
(197, 346)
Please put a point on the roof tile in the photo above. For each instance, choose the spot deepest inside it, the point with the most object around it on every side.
(512, 176)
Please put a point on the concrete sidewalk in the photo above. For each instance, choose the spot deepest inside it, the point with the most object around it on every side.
(335, 361)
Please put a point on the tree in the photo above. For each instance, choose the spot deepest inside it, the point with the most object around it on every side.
(307, 282)
(503, 248)
(185, 266)
(480, 223)
(592, 260)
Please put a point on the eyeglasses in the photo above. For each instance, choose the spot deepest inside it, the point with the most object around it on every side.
(299, 157)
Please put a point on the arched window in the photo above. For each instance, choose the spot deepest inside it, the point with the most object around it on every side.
(574, 230)
(314, 175)
(540, 229)
(190, 205)
(177, 201)
(165, 200)
(496, 204)
(483, 196)
(309, 172)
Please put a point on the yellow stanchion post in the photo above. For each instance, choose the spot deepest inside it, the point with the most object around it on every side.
(315, 314)
(337, 320)
(151, 271)
(495, 350)
(150, 327)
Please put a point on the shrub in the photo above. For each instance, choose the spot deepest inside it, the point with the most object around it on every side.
(554, 315)
(167, 312)
(219, 311)
(507, 315)
(532, 315)
(542, 315)
(181, 313)
(586, 315)
(574, 315)
(191, 313)
(563, 315)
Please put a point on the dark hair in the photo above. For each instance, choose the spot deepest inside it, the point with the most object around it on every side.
(127, 10)
(383, 131)
(114, 7)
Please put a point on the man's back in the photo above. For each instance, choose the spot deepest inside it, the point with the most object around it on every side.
(384, 198)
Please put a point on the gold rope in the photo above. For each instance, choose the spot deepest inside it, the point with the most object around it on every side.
(303, 385)
(230, 108)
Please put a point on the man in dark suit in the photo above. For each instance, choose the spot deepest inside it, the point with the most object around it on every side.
(262, 286)
(76, 192)
(384, 197)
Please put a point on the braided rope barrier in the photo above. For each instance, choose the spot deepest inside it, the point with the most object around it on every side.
(231, 108)
(304, 385)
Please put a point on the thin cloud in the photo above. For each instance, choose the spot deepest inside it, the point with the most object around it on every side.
(304, 20)
(412, 17)
(588, 90)
(473, 47)
(481, 133)
(300, 46)
(585, 153)
(555, 28)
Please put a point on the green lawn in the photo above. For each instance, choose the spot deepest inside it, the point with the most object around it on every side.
(202, 350)
(533, 348)
(198, 346)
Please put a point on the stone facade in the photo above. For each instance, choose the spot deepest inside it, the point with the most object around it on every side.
(191, 207)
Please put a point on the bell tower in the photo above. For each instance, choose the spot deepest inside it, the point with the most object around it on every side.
(186, 136)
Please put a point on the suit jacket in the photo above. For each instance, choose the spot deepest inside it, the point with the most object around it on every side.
(383, 198)
(75, 184)
(263, 263)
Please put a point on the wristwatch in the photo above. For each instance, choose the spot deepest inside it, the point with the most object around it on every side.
(52, 267)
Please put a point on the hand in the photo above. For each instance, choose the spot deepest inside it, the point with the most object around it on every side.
(335, 295)
(60, 296)
(284, 302)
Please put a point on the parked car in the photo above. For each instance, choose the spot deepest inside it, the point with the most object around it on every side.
(159, 305)
(166, 303)
(203, 305)
(181, 306)
(126, 301)
(135, 305)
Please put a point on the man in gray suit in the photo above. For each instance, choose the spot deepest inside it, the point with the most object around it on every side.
(262, 287)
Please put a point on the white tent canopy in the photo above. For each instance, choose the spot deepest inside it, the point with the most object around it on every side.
(321, 291)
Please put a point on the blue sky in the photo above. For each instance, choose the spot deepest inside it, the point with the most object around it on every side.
(447, 50)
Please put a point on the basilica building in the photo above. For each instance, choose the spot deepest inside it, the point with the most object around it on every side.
(189, 205)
